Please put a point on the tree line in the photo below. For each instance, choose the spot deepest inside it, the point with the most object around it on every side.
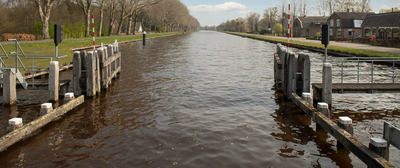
(111, 17)
(279, 14)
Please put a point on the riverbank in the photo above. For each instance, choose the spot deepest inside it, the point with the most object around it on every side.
(67, 47)
(315, 46)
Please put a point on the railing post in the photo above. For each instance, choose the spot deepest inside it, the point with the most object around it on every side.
(90, 75)
(46, 108)
(327, 84)
(77, 72)
(53, 81)
(14, 124)
(109, 68)
(380, 147)
(9, 88)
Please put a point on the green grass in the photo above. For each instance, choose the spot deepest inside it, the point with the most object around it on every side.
(64, 48)
(320, 46)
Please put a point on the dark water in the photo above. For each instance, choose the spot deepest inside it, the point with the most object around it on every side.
(202, 99)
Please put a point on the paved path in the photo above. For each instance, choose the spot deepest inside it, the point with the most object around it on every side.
(51, 40)
(347, 45)
(344, 44)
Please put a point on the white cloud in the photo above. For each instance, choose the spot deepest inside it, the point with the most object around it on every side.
(225, 7)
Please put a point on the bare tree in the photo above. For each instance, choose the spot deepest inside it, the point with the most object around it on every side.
(44, 7)
(112, 5)
(365, 6)
(101, 8)
(252, 20)
(86, 7)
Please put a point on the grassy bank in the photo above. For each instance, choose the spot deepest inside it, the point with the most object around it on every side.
(65, 48)
(358, 52)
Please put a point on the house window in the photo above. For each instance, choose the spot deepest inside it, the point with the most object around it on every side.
(350, 33)
(339, 32)
(331, 23)
(330, 32)
(308, 32)
(337, 22)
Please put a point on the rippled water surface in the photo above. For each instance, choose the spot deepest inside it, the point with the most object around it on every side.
(203, 99)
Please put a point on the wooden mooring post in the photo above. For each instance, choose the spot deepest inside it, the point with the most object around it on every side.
(94, 70)
(54, 81)
(292, 83)
(292, 73)
(9, 88)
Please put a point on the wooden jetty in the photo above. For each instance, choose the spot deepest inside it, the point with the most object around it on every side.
(292, 78)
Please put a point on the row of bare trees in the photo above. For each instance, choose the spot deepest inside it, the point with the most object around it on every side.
(279, 14)
(111, 16)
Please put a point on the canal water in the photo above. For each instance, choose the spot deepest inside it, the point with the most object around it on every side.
(202, 99)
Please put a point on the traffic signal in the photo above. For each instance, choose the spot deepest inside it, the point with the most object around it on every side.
(57, 33)
(325, 35)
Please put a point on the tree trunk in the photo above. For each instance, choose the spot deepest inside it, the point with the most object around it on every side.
(110, 27)
(129, 26)
(101, 17)
(134, 25)
(45, 28)
(87, 24)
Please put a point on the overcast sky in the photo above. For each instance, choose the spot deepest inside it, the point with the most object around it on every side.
(213, 12)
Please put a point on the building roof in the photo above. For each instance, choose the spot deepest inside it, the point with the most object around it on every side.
(271, 25)
(309, 21)
(347, 18)
(382, 20)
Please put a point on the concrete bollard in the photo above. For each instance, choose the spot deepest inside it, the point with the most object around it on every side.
(9, 88)
(14, 124)
(307, 97)
(324, 109)
(346, 124)
(68, 97)
(380, 147)
(77, 72)
(46, 108)
(327, 84)
(53, 81)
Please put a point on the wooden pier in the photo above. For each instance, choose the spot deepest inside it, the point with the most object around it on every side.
(291, 72)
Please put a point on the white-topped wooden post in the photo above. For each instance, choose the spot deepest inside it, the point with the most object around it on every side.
(345, 123)
(68, 97)
(14, 124)
(77, 72)
(327, 84)
(98, 69)
(307, 97)
(380, 147)
(46, 108)
(324, 109)
(9, 88)
(53, 81)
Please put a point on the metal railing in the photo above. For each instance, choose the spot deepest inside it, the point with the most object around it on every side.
(372, 72)
(18, 59)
